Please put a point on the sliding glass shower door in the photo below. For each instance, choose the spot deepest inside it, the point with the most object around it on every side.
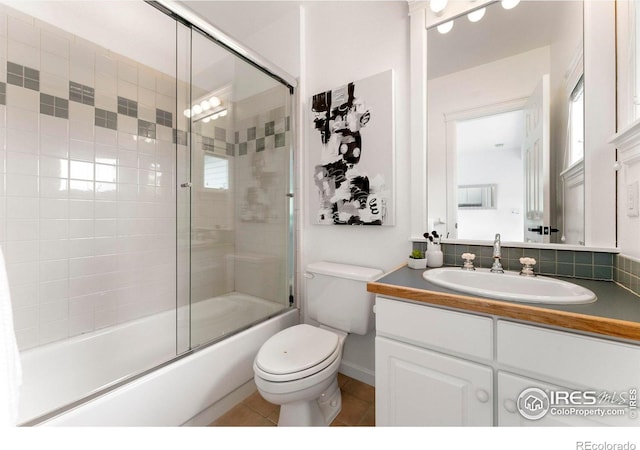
(238, 186)
(144, 193)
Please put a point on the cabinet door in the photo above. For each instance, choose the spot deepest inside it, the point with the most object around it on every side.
(509, 388)
(419, 387)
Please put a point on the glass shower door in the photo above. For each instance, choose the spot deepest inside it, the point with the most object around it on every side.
(240, 141)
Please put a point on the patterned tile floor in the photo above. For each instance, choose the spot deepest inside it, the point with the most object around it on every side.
(358, 408)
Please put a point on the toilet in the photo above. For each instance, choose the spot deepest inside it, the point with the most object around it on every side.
(297, 368)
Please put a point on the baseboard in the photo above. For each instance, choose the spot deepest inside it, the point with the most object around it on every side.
(358, 372)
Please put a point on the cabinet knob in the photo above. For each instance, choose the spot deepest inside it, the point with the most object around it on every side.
(510, 405)
(482, 395)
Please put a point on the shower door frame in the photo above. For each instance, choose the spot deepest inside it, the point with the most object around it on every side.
(192, 21)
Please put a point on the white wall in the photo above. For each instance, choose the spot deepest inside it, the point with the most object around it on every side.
(343, 42)
(348, 41)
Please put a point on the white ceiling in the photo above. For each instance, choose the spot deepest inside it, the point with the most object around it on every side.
(499, 34)
(240, 19)
(500, 132)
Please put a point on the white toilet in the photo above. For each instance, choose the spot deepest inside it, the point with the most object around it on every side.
(297, 368)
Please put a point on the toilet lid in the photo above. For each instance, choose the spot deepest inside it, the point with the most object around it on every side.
(296, 349)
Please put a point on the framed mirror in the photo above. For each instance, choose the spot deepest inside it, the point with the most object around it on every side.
(508, 111)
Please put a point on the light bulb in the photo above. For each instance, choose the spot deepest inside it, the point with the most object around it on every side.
(197, 109)
(214, 101)
(437, 5)
(206, 119)
(509, 4)
(187, 113)
(444, 28)
(222, 113)
(205, 105)
(215, 116)
(476, 15)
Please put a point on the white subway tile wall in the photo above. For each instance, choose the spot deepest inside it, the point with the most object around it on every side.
(88, 175)
(87, 197)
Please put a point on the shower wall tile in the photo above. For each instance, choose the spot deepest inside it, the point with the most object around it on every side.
(91, 170)
(71, 112)
(53, 43)
(23, 54)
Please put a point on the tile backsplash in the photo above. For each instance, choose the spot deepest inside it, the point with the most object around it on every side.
(565, 263)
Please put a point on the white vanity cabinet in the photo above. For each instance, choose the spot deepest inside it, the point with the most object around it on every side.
(558, 361)
(437, 367)
(417, 384)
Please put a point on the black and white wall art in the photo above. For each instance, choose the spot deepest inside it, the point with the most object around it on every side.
(352, 153)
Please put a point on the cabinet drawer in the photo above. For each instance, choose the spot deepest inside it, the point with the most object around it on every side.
(449, 331)
(511, 386)
(582, 360)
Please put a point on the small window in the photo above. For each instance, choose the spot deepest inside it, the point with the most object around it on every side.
(216, 172)
(576, 123)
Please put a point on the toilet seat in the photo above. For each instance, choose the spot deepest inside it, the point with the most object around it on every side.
(297, 352)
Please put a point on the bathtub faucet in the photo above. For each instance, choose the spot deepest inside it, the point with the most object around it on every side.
(497, 255)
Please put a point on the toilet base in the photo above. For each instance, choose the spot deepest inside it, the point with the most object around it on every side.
(315, 413)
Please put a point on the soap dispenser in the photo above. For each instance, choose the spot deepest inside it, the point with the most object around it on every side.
(435, 258)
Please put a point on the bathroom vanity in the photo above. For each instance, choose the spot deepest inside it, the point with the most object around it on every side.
(449, 359)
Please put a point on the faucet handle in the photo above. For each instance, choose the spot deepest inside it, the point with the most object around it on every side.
(527, 266)
(468, 261)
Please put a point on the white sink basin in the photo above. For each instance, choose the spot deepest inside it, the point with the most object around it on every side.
(509, 286)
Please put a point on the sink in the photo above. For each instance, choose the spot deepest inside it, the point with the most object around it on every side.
(509, 286)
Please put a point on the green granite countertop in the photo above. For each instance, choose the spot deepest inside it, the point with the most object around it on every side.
(615, 313)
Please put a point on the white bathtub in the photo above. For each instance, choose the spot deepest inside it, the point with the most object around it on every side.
(64, 372)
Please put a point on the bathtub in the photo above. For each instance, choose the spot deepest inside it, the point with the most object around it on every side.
(167, 390)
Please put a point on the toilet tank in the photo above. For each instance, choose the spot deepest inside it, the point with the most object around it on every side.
(337, 295)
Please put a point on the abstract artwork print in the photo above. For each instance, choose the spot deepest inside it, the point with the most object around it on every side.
(353, 153)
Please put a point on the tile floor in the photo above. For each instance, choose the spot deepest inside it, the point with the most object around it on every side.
(358, 408)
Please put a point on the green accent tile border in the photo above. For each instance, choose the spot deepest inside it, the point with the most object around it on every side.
(564, 263)
(626, 271)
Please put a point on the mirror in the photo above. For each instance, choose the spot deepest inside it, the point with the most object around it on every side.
(505, 109)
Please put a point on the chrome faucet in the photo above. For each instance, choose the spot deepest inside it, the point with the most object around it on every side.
(497, 255)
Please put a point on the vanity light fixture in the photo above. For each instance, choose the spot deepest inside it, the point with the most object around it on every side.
(444, 28)
(437, 5)
(509, 4)
(476, 15)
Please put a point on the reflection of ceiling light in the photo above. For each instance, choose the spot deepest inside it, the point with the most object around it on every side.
(509, 4)
(444, 28)
(476, 15)
(209, 106)
(437, 5)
